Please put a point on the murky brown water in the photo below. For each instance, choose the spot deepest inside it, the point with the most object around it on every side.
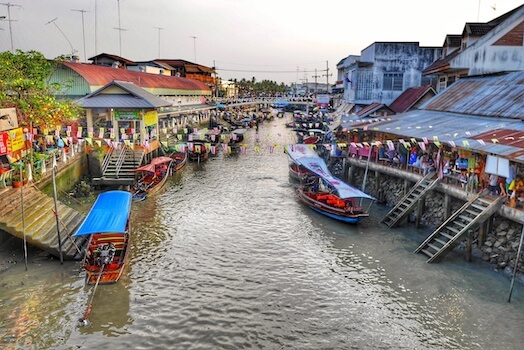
(226, 257)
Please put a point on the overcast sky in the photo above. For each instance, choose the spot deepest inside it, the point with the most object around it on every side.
(280, 40)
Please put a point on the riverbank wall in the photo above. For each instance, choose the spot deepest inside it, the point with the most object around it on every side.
(496, 241)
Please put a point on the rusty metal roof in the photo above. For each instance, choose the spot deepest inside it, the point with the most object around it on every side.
(410, 97)
(98, 76)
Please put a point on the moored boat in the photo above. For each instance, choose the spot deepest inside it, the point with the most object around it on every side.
(179, 160)
(330, 196)
(108, 227)
(154, 176)
(294, 153)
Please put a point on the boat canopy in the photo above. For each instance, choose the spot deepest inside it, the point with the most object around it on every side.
(300, 150)
(109, 214)
(317, 166)
(154, 162)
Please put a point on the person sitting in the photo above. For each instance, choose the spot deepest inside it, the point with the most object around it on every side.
(515, 190)
(348, 205)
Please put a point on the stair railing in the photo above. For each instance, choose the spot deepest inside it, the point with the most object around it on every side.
(107, 159)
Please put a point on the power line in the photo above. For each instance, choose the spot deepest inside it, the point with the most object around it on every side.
(265, 71)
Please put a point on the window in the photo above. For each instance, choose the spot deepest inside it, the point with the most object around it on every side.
(392, 81)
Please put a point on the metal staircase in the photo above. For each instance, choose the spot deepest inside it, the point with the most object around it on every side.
(119, 164)
(470, 216)
(410, 200)
(36, 221)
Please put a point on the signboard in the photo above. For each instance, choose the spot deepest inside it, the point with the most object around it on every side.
(151, 118)
(126, 115)
(8, 119)
(4, 139)
(497, 165)
(322, 100)
(17, 138)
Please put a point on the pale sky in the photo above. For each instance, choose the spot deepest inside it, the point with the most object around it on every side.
(280, 40)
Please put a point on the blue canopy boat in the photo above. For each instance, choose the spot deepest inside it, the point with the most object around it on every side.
(330, 196)
(108, 226)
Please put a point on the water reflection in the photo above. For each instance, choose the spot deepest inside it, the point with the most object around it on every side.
(226, 256)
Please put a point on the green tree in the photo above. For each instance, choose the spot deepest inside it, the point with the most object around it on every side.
(23, 85)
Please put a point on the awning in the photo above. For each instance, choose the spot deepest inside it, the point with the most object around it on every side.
(499, 136)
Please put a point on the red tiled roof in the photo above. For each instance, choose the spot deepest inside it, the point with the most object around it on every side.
(99, 76)
(410, 97)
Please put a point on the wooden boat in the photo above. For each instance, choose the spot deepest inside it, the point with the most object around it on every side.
(108, 227)
(236, 138)
(330, 196)
(179, 160)
(198, 146)
(155, 175)
(294, 153)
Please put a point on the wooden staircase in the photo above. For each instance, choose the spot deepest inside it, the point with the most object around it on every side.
(407, 204)
(38, 221)
(470, 216)
(118, 165)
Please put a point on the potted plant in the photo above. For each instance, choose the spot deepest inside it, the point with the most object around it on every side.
(17, 177)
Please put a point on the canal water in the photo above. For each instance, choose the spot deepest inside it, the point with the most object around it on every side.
(226, 257)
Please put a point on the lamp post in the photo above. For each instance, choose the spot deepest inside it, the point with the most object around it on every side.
(194, 45)
(83, 32)
(159, 29)
(56, 25)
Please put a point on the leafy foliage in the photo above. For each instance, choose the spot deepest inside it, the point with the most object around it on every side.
(23, 85)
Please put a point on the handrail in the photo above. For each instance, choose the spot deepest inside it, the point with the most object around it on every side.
(120, 160)
(107, 158)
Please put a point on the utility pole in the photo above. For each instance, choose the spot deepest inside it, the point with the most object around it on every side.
(120, 29)
(96, 37)
(56, 25)
(9, 20)
(83, 32)
(194, 46)
(316, 85)
(327, 77)
(159, 29)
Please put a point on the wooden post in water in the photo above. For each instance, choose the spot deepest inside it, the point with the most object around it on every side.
(469, 244)
(22, 209)
(517, 258)
(56, 218)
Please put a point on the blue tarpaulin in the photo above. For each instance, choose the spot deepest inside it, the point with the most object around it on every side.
(109, 214)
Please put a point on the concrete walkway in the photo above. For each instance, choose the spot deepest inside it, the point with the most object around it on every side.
(37, 221)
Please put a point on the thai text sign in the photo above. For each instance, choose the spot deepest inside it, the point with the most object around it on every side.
(126, 115)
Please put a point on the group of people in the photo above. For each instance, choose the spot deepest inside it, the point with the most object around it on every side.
(512, 188)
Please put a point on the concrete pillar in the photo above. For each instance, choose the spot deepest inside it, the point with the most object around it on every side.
(421, 206)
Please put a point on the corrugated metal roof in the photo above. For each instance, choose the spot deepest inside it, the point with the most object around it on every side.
(484, 114)
(136, 98)
(409, 97)
(481, 134)
(99, 76)
(490, 96)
